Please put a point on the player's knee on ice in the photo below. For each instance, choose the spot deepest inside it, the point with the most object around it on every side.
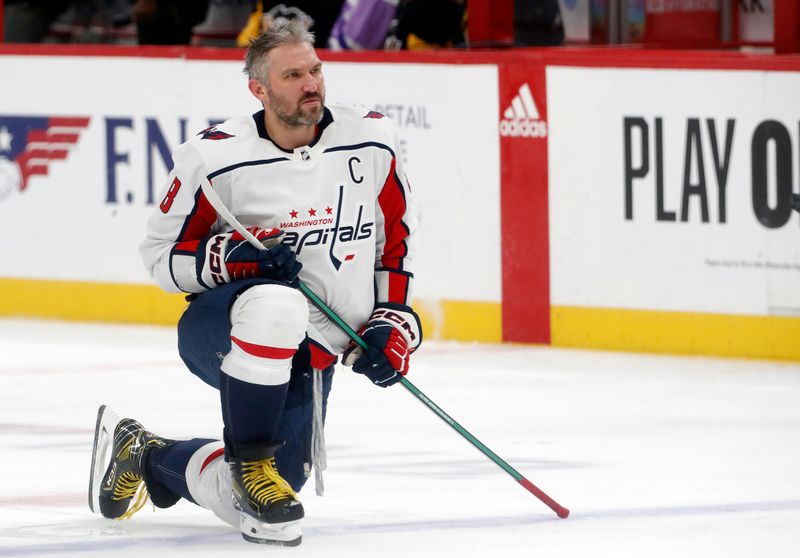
(208, 479)
(268, 322)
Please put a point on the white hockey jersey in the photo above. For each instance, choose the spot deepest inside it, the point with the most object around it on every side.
(343, 201)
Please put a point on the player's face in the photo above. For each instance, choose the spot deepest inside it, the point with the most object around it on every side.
(296, 87)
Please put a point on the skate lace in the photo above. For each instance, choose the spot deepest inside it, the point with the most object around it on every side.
(130, 485)
(263, 482)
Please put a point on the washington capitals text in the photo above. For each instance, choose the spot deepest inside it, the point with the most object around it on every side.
(339, 232)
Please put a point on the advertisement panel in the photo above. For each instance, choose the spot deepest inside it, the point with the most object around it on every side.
(79, 172)
(679, 199)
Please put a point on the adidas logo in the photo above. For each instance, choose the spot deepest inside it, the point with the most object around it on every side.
(521, 119)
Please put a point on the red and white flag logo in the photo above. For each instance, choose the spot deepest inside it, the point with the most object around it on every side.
(29, 145)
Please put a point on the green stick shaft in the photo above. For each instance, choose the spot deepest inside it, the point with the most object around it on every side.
(561, 511)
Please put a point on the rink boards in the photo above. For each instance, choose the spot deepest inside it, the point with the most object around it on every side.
(621, 200)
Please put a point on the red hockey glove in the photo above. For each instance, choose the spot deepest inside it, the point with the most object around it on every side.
(392, 333)
(230, 257)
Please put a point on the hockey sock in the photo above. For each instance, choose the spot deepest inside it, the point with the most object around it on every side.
(167, 466)
(250, 412)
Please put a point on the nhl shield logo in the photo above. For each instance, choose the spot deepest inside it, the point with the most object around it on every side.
(29, 144)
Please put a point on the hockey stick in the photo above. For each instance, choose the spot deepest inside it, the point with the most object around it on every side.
(223, 211)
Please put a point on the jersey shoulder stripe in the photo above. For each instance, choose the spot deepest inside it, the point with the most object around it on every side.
(362, 145)
(235, 166)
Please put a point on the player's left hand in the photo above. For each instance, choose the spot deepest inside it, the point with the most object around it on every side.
(243, 260)
(392, 333)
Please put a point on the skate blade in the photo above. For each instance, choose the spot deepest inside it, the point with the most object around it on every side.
(107, 421)
(276, 534)
(293, 542)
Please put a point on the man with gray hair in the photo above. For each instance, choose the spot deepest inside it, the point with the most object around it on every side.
(322, 187)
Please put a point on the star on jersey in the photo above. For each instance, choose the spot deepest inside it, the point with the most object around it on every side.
(312, 212)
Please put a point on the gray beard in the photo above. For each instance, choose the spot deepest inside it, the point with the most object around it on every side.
(299, 120)
(296, 119)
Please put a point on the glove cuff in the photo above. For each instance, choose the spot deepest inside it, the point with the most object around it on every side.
(401, 317)
(404, 320)
(210, 261)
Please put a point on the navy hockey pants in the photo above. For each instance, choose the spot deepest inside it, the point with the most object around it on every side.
(204, 338)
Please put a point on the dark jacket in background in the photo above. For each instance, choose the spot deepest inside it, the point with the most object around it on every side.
(538, 23)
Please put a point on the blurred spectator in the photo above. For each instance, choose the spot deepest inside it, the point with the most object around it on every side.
(253, 27)
(427, 24)
(319, 14)
(363, 25)
(323, 14)
(223, 23)
(538, 23)
(27, 21)
(167, 22)
(94, 21)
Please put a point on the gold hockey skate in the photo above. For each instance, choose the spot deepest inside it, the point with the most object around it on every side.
(264, 497)
(122, 490)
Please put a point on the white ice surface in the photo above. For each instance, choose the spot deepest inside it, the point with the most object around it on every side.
(654, 456)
